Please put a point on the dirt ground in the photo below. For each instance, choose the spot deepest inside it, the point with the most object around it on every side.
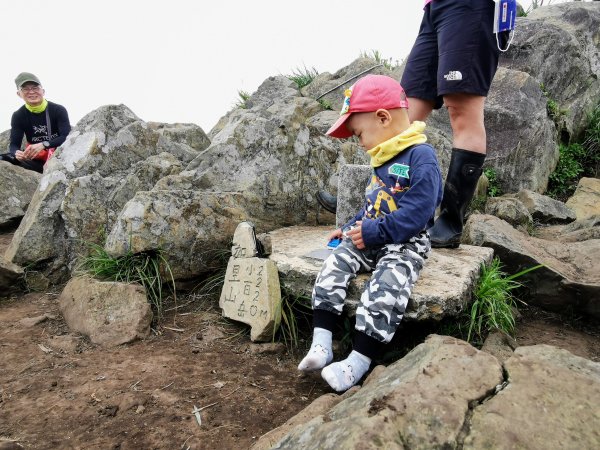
(59, 391)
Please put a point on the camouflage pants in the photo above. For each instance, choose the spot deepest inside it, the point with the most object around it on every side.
(395, 267)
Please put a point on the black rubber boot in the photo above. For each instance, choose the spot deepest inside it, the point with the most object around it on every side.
(327, 201)
(463, 174)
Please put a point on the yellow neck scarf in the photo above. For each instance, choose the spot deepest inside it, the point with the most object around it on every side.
(390, 148)
(37, 109)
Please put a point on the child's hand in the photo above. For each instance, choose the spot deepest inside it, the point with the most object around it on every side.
(356, 235)
(335, 234)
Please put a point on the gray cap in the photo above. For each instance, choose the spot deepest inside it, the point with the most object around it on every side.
(25, 77)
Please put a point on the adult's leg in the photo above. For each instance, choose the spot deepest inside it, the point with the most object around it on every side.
(466, 119)
(419, 109)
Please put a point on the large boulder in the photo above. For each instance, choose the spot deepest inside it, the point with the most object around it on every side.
(586, 199)
(98, 310)
(570, 277)
(446, 394)
(109, 156)
(264, 165)
(17, 186)
(559, 46)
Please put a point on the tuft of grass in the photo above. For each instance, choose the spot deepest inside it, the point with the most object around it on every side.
(388, 63)
(563, 180)
(552, 107)
(242, 100)
(295, 311)
(325, 104)
(303, 76)
(591, 144)
(143, 268)
(494, 302)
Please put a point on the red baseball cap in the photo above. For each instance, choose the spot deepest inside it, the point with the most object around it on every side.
(370, 93)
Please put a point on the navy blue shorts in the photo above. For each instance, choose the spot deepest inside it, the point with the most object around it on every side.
(455, 51)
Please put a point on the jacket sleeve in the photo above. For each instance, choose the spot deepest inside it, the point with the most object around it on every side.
(415, 209)
(16, 134)
(64, 126)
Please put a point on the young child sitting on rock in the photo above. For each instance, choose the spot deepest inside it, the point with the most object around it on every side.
(388, 235)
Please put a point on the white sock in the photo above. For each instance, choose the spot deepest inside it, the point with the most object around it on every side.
(342, 375)
(320, 353)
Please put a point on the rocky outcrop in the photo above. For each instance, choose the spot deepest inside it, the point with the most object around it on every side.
(264, 165)
(447, 394)
(544, 209)
(17, 186)
(559, 46)
(109, 156)
(98, 310)
(570, 277)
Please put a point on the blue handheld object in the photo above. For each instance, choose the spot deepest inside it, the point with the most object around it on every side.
(334, 242)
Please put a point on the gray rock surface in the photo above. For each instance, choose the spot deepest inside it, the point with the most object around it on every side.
(544, 209)
(10, 275)
(446, 394)
(570, 278)
(109, 156)
(510, 209)
(443, 289)
(110, 313)
(17, 186)
(421, 401)
(551, 401)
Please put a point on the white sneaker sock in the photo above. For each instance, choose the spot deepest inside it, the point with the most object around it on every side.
(342, 375)
(320, 353)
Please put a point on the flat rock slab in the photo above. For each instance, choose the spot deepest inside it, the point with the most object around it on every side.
(444, 288)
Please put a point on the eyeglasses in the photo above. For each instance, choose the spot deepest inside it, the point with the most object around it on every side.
(30, 88)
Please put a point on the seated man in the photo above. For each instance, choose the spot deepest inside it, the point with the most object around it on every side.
(44, 124)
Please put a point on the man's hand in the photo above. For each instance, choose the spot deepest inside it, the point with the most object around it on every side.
(31, 151)
(356, 235)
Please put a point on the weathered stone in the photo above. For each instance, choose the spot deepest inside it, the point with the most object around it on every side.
(420, 401)
(551, 401)
(509, 209)
(570, 277)
(10, 274)
(500, 345)
(558, 46)
(545, 209)
(352, 182)
(586, 199)
(110, 155)
(251, 294)
(444, 287)
(110, 313)
(244, 241)
(17, 186)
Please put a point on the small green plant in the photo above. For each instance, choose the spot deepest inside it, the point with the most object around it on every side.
(552, 107)
(243, 99)
(591, 144)
(325, 104)
(494, 186)
(143, 268)
(563, 180)
(294, 309)
(303, 76)
(494, 302)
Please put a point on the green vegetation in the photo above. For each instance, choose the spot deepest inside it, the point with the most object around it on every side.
(535, 4)
(494, 186)
(552, 107)
(243, 99)
(577, 160)
(325, 104)
(388, 63)
(303, 76)
(494, 302)
(296, 312)
(143, 268)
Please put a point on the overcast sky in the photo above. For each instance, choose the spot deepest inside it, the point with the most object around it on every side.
(183, 60)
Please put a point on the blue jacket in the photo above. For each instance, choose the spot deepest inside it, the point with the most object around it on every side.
(401, 199)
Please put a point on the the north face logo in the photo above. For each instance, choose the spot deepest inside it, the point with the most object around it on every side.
(453, 75)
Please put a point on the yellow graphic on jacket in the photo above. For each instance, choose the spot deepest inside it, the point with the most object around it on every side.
(384, 202)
